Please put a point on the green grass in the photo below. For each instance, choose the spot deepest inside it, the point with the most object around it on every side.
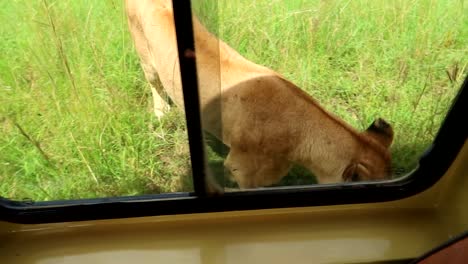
(75, 110)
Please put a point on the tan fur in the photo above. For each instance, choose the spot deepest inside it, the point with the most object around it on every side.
(268, 122)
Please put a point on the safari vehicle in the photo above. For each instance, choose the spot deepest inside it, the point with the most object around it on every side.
(393, 221)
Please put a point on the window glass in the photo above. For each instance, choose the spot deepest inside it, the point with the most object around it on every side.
(77, 108)
(401, 61)
(76, 112)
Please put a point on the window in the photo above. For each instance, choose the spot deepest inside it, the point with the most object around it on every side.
(76, 118)
(338, 51)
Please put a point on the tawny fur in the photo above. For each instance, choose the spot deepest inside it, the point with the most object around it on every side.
(267, 122)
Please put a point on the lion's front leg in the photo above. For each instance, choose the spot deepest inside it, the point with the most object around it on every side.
(253, 169)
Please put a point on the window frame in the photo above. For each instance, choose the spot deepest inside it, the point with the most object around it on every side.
(432, 166)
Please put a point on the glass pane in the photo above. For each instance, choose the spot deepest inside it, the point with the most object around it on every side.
(207, 47)
(76, 112)
(401, 61)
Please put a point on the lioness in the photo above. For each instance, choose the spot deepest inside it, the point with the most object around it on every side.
(267, 122)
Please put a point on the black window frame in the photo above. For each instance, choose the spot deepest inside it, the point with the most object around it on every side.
(432, 166)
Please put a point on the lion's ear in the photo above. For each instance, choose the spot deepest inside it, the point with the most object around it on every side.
(382, 131)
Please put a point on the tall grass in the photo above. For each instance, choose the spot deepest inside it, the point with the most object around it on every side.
(75, 110)
(74, 107)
